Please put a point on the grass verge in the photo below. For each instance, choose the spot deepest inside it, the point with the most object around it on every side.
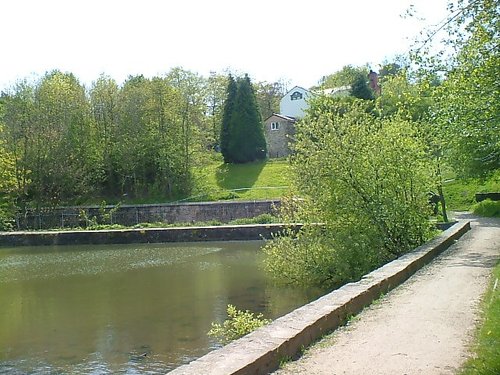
(485, 358)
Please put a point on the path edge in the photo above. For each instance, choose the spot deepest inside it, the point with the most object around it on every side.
(263, 350)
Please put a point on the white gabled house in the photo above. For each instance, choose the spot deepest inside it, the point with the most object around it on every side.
(294, 102)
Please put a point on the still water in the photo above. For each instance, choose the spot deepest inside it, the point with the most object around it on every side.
(127, 309)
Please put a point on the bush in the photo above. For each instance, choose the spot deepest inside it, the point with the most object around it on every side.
(260, 219)
(487, 208)
(366, 180)
(238, 324)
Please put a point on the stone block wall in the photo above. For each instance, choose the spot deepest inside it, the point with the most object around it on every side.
(224, 212)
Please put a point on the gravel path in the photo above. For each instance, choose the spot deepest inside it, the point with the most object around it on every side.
(422, 327)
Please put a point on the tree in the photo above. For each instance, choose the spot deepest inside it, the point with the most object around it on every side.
(246, 134)
(53, 138)
(7, 185)
(227, 115)
(354, 77)
(366, 180)
(104, 105)
(216, 96)
(466, 110)
(360, 88)
(269, 96)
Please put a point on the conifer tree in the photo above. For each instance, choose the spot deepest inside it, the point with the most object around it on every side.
(226, 118)
(246, 133)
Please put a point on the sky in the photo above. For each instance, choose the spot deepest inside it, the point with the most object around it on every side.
(295, 41)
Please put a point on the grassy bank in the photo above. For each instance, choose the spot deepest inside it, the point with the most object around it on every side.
(258, 180)
(460, 193)
(485, 358)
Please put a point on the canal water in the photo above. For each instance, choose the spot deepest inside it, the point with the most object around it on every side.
(127, 309)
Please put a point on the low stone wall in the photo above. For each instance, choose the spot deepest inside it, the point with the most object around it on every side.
(129, 215)
(119, 236)
(261, 351)
(483, 196)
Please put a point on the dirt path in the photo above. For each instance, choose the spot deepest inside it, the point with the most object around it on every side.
(422, 327)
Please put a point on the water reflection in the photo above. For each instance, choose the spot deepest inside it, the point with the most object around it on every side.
(126, 309)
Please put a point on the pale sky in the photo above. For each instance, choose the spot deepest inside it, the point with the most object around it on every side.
(299, 41)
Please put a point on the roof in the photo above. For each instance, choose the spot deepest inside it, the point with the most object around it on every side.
(287, 118)
(295, 89)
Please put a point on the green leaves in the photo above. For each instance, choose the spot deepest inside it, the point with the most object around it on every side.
(365, 180)
(238, 324)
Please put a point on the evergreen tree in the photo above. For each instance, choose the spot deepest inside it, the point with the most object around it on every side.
(360, 88)
(226, 118)
(246, 133)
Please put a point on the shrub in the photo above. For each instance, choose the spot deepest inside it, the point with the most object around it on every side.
(238, 324)
(366, 180)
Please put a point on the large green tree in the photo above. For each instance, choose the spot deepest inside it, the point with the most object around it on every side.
(245, 133)
(53, 137)
(467, 103)
(229, 108)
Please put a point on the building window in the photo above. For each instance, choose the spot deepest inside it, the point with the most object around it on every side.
(275, 125)
(296, 96)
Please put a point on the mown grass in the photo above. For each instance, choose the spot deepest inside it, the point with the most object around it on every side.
(252, 181)
(485, 358)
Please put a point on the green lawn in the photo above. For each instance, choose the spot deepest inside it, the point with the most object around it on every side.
(258, 180)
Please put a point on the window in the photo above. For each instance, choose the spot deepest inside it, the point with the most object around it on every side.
(275, 125)
(296, 95)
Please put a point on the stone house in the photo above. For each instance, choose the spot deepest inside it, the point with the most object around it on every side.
(279, 128)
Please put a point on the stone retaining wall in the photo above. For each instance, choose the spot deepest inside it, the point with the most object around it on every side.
(129, 215)
(261, 351)
(119, 236)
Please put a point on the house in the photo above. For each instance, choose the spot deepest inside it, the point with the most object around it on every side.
(279, 128)
(294, 102)
(279, 131)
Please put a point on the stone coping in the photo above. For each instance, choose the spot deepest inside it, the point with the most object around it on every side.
(261, 351)
(146, 235)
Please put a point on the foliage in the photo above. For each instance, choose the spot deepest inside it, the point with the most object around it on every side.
(344, 77)
(245, 133)
(466, 105)
(460, 192)
(487, 208)
(354, 77)
(360, 88)
(486, 358)
(238, 324)
(136, 141)
(260, 219)
(7, 187)
(216, 96)
(103, 220)
(268, 95)
(366, 179)
(229, 104)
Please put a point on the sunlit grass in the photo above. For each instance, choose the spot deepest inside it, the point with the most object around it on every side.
(268, 179)
(486, 352)
(460, 193)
